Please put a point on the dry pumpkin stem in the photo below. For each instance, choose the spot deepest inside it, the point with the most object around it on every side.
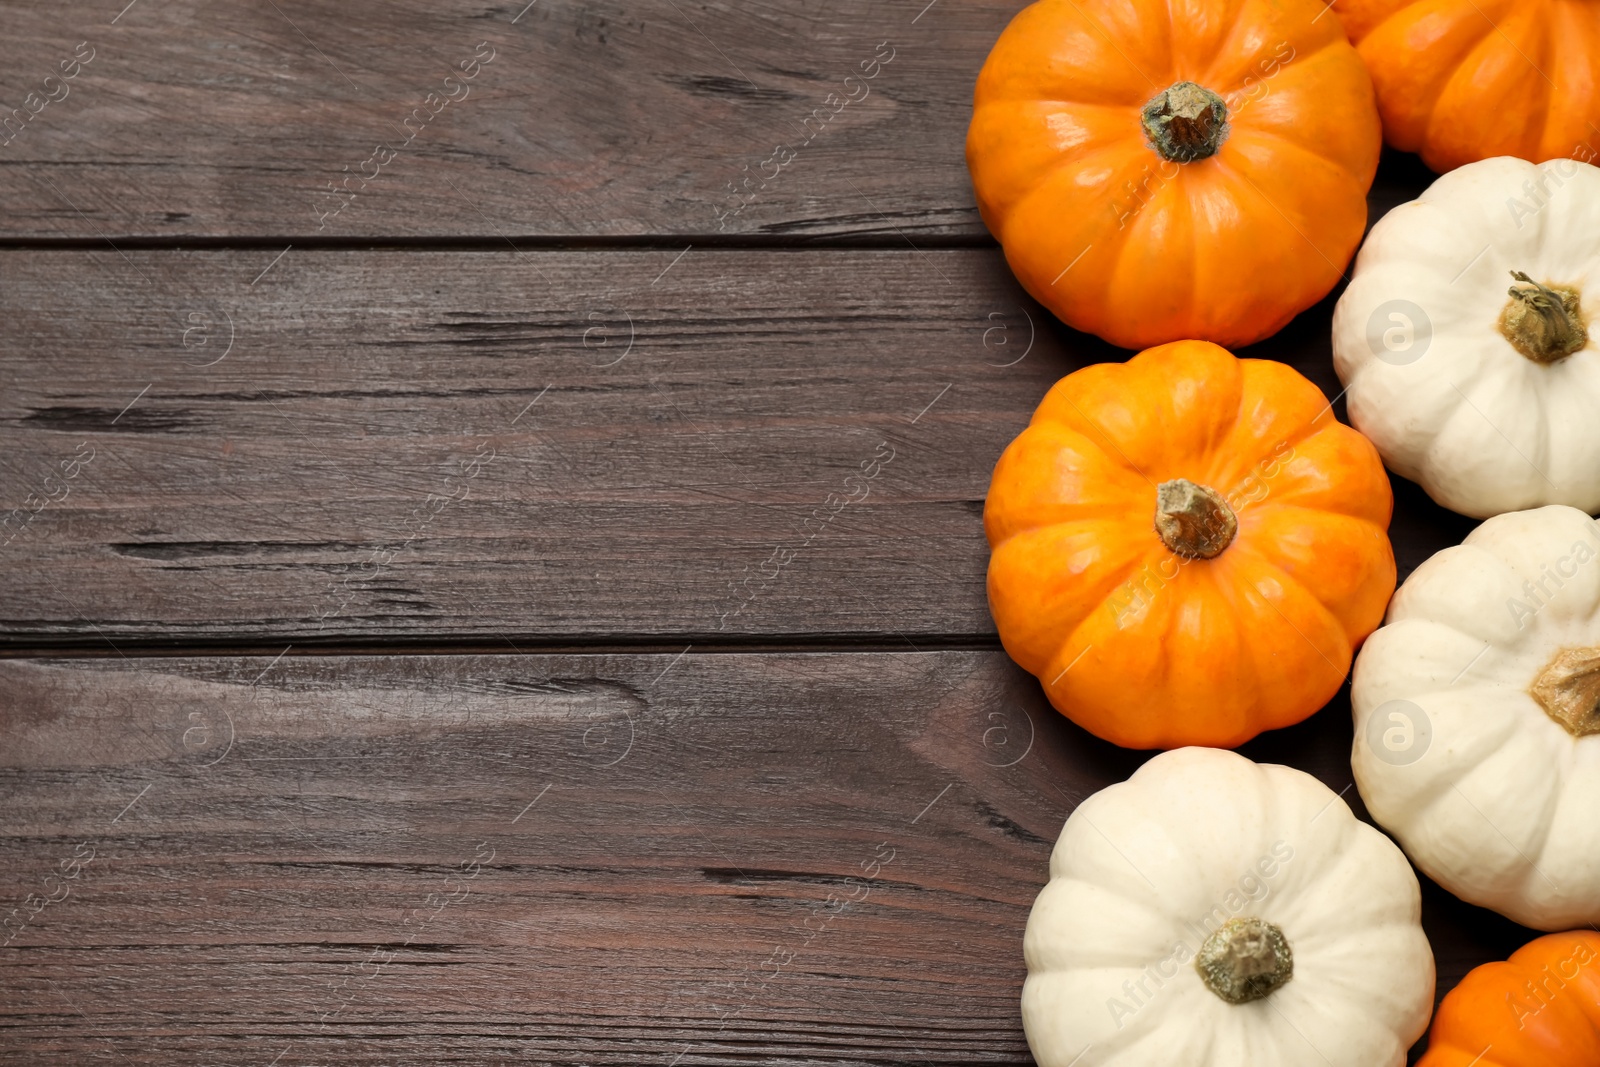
(1569, 690)
(1245, 960)
(1543, 322)
(1186, 122)
(1192, 520)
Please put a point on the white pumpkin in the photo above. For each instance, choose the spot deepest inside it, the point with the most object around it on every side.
(1477, 712)
(1304, 920)
(1485, 398)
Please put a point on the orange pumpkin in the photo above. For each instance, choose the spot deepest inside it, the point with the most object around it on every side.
(1540, 1008)
(1188, 547)
(1464, 80)
(1160, 171)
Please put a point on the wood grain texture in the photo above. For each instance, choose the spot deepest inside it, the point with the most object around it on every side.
(707, 118)
(774, 858)
(591, 119)
(433, 444)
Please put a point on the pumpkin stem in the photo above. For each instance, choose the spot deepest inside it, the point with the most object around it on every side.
(1186, 122)
(1192, 520)
(1569, 690)
(1245, 960)
(1543, 322)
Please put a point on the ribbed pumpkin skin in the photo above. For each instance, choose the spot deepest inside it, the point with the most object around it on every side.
(1148, 651)
(1540, 1008)
(1464, 80)
(1120, 242)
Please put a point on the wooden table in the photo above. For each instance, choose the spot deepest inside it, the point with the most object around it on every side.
(431, 630)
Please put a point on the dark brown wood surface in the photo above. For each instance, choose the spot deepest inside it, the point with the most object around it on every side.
(526, 606)
(600, 119)
(642, 834)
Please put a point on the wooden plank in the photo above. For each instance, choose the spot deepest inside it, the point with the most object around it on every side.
(593, 119)
(711, 118)
(465, 444)
(783, 858)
